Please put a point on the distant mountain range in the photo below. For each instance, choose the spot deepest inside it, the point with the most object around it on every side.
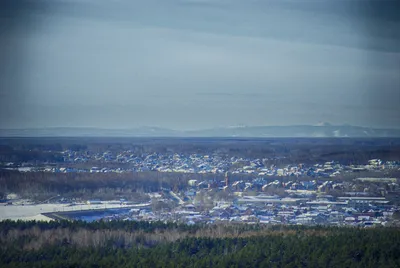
(320, 130)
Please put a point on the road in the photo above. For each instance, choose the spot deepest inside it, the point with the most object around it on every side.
(180, 201)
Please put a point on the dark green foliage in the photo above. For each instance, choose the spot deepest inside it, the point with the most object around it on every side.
(254, 246)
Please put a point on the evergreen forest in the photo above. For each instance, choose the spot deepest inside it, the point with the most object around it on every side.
(145, 244)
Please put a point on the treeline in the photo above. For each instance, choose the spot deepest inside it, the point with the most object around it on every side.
(278, 151)
(121, 234)
(40, 186)
(43, 185)
(140, 244)
(22, 155)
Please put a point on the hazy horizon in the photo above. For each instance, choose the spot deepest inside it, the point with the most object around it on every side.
(198, 129)
(199, 64)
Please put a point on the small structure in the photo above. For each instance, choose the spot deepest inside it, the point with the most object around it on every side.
(94, 202)
(192, 182)
(226, 179)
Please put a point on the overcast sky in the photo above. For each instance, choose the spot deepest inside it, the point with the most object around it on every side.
(192, 64)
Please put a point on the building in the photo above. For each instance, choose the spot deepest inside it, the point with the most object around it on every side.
(226, 180)
(94, 202)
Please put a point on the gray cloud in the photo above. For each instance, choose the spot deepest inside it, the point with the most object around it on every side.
(193, 64)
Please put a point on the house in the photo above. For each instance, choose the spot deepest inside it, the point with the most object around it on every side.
(189, 207)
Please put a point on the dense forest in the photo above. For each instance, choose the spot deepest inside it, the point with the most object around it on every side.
(142, 244)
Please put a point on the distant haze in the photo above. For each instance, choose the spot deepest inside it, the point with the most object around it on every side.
(195, 64)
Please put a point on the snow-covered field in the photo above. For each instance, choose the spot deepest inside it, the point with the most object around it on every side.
(33, 212)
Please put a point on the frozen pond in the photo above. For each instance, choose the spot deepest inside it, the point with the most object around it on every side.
(30, 212)
(90, 216)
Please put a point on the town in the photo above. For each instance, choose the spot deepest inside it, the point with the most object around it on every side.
(299, 203)
(194, 163)
(251, 191)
